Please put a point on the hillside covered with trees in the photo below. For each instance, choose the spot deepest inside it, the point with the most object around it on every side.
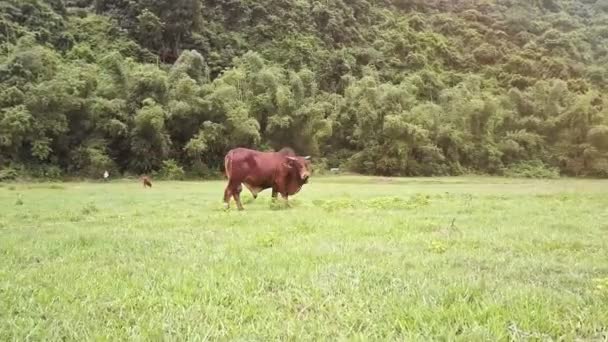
(386, 87)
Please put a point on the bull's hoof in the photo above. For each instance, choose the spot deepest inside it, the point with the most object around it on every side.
(241, 209)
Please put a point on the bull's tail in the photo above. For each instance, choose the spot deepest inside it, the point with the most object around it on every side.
(228, 164)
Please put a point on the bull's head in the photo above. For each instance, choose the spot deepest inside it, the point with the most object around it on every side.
(301, 165)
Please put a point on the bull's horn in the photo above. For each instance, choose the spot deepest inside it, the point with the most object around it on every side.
(307, 157)
(291, 158)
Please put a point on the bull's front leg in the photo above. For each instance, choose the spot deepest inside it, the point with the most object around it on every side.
(275, 192)
(285, 196)
(280, 188)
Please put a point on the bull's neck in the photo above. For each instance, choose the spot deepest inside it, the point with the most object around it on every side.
(294, 183)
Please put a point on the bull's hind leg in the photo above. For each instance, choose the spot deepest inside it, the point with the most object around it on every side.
(227, 195)
(233, 189)
(237, 196)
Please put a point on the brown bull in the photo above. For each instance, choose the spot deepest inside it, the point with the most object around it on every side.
(282, 171)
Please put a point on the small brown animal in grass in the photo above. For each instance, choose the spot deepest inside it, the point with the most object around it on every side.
(146, 181)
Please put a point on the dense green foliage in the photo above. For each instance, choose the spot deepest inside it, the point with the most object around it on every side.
(391, 87)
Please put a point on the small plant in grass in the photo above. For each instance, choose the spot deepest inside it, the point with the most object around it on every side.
(601, 286)
(335, 204)
(304, 228)
(281, 204)
(420, 200)
(19, 200)
(74, 217)
(438, 246)
(56, 187)
(89, 208)
(386, 203)
(267, 241)
(390, 202)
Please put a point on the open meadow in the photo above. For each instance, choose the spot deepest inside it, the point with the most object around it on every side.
(355, 258)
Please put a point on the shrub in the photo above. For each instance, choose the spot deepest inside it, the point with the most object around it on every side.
(202, 170)
(531, 169)
(172, 170)
(599, 168)
(319, 167)
(91, 161)
(8, 174)
(50, 172)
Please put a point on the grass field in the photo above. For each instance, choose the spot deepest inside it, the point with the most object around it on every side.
(354, 258)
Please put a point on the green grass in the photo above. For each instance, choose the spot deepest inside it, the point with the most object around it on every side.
(355, 258)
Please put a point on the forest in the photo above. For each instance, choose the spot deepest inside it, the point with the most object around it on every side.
(379, 87)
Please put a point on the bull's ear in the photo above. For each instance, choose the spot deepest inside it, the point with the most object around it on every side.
(289, 162)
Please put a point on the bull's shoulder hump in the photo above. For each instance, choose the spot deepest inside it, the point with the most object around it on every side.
(239, 153)
(240, 150)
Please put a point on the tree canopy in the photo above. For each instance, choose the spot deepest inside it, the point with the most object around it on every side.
(388, 87)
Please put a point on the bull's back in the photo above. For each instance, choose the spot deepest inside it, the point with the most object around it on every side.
(246, 165)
